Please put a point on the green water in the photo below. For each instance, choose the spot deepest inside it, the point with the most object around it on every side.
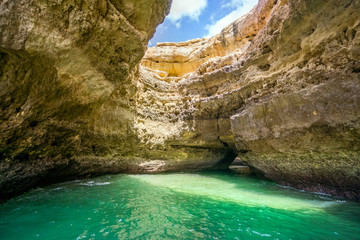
(176, 206)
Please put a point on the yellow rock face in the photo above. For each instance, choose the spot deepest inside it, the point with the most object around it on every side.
(62, 62)
(279, 88)
(178, 59)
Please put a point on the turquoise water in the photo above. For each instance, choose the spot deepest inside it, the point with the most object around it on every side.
(210, 205)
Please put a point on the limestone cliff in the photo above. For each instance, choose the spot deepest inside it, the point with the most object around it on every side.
(278, 87)
(178, 59)
(65, 78)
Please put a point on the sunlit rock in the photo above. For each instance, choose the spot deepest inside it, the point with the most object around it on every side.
(278, 87)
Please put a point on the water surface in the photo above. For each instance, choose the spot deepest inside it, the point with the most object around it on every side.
(209, 205)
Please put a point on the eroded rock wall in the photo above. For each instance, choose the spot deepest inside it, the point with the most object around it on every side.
(178, 59)
(306, 133)
(67, 103)
(279, 87)
(284, 94)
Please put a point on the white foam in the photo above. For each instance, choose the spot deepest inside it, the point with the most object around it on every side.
(93, 183)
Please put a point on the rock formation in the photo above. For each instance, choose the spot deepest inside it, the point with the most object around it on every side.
(279, 88)
(67, 97)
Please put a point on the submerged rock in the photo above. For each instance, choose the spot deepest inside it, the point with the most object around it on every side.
(278, 87)
(238, 169)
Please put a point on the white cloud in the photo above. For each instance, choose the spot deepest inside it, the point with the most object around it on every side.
(161, 29)
(186, 8)
(241, 8)
(235, 3)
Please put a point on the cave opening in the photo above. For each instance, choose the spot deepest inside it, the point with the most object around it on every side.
(190, 20)
(277, 88)
(227, 160)
(194, 41)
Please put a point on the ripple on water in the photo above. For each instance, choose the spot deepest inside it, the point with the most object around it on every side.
(176, 206)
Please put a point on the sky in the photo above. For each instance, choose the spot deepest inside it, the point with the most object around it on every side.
(190, 19)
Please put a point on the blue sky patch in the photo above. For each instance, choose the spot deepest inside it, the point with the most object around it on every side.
(190, 19)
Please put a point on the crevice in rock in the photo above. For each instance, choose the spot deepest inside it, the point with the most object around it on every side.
(226, 161)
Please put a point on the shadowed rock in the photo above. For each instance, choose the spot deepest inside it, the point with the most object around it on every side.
(278, 87)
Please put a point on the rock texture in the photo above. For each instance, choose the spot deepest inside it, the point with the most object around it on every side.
(66, 90)
(178, 59)
(279, 88)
